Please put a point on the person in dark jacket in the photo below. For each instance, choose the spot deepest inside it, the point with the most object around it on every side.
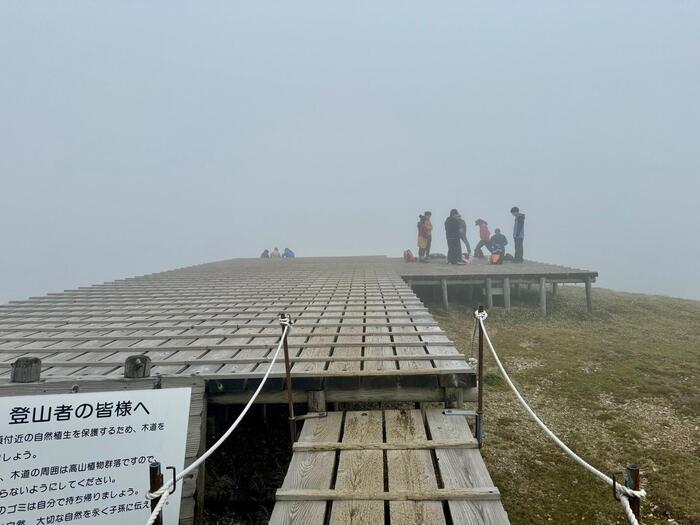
(463, 235)
(454, 244)
(518, 232)
(265, 254)
(498, 242)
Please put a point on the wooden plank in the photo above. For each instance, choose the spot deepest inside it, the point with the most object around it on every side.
(309, 470)
(463, 469)
(410, 470)
(432, 496)
(379, 445)
(372, 351)
(320, 334)
(360, 471)
(351, 339)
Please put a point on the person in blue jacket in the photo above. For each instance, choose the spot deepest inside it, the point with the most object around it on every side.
(518, 232)
(289, 254)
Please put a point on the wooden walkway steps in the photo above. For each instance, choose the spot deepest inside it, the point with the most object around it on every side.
(391, 467)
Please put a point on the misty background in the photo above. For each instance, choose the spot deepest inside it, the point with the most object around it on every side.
(142, 136)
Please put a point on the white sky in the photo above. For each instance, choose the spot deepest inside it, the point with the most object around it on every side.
(142, 136)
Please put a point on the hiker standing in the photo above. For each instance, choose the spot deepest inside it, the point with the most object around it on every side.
(463, 235)
(288, 254)
(429, 229)
(484, 238)
(423, 238)
(275, 253)
(518, 232)
(265, 254)
(454, 251)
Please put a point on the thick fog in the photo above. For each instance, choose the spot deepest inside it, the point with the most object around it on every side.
(142, 136)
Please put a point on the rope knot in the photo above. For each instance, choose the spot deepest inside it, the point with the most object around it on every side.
(286, 320)
(481, 315)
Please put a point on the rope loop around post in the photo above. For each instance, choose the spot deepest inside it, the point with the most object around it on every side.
(481, 316)
(286, 320)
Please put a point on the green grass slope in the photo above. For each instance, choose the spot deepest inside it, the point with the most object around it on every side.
(620, 385)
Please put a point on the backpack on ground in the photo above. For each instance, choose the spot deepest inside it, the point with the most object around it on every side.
(408, 256)
(496, 258)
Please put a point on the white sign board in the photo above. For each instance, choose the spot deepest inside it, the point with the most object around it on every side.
(83, 458)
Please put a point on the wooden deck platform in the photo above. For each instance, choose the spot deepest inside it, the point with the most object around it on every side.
(398, 467)
(495, 280)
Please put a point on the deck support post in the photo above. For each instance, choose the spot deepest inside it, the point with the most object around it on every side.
(543, 295)
(489, 293)
(454, 397)
(26, 370)
(555, 289)
(506, 293)
(589, 298)
(516, 290)
(470, 294)
(316, 400)
(445, 303)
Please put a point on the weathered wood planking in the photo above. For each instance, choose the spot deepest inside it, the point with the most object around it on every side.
(463, 469)
(214, 320)
(442, 480)
(360, 470)
(309, 470)
(410, 470)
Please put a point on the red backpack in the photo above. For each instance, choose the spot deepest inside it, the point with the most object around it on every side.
(408, 256)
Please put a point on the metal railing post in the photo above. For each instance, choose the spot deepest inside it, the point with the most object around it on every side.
(155, 477)
(632, 482)
(284, 322)
(480, 385)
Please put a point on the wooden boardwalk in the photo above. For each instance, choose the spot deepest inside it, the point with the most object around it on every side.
(361, 334)
(358, 325)
(398, 467)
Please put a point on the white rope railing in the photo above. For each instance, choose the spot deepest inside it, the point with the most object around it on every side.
(624, 492)
(164, 492)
